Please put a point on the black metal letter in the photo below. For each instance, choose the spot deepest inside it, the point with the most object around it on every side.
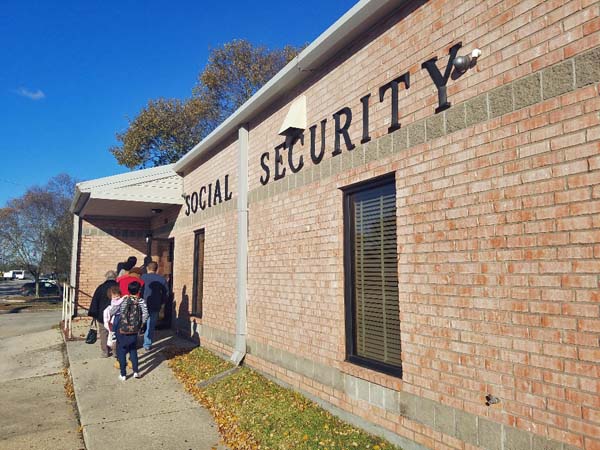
(316, 159)
(210, 202)
(365, 116)
(265, 178)
(279, 162)
(187, 205)
(218, 192)
(291, 142)
(228, 194)
(439, 80)
(201, 202)
(342, 131)
(393, 85)
(194, 202)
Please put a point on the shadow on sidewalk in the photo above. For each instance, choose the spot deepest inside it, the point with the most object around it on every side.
(166, 346)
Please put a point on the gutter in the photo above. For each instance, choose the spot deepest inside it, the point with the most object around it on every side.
(345, 30)
(80, 199)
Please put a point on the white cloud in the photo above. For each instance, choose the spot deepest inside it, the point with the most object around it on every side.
(32, 95)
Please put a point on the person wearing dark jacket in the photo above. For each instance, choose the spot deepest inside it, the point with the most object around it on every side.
(147, 260)
(100, 300)
(126, 265)
(155, 293)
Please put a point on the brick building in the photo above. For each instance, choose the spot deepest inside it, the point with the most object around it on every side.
(405, 235)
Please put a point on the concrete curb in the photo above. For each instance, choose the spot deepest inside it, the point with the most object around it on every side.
(68, 367)
(218, 377)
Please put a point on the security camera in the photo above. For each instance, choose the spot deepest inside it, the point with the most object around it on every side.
(462, 63)
(491, 400)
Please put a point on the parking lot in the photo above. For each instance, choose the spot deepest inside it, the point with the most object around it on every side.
(11, 287)
(13, 301)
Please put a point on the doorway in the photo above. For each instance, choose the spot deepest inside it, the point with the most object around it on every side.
(163, 254)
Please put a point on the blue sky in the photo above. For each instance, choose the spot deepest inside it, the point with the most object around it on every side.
(73, 72)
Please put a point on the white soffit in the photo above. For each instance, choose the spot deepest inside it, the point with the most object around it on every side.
(296, 116)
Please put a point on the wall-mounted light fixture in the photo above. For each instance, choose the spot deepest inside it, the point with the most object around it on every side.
(156, 210)
(463, 63)
(148, 244)
(295, 120)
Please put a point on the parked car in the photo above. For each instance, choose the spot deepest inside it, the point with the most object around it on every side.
(48, 276)
(47, 288)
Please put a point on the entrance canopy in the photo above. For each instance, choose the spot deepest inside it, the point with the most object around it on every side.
(142, 193)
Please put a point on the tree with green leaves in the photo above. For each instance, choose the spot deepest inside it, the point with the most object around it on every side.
(166, 129)
(236, 71)
(162, 132)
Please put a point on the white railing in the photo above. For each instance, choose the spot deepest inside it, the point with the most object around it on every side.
(68, 309)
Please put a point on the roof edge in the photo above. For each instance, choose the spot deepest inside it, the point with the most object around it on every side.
(79, 201)
(152, 173)
(361, 16)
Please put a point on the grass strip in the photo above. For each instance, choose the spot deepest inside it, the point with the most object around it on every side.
(254, 413)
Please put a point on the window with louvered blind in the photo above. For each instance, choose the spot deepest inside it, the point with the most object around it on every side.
(372, 307)
(198, 281)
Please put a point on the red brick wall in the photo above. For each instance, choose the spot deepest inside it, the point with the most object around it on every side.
(497, 225)
(517, 38)
(220, 226)
(104, 243)
(498, 203)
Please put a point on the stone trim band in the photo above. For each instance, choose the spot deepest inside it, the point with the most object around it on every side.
(470, 428)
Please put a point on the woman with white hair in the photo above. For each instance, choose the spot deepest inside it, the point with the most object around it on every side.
(100, 301)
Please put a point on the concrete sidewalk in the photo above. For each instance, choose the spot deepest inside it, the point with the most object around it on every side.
(153, 412)
(36, 413)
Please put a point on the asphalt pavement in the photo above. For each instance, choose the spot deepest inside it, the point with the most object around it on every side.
(11, 287)
(36, 413)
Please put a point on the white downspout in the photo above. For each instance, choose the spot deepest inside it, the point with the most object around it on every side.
(75, 249)
(73, 276)
(242, 247)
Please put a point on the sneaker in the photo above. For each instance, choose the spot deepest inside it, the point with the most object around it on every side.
(136, 375)
(122, 377)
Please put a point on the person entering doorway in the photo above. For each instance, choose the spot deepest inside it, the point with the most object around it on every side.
(155, 295)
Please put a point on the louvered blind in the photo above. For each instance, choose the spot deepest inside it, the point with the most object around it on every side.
(198, 293)
(376, 310)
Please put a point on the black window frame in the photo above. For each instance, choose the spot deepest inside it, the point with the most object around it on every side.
(198, 305)
(349, 275)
